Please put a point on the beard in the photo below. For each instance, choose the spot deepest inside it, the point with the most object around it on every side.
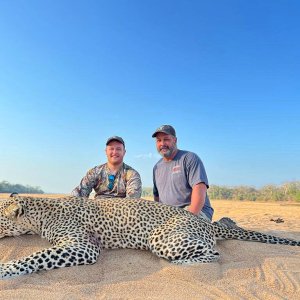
(166, 151)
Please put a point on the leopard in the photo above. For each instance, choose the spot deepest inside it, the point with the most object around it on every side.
(78, 229)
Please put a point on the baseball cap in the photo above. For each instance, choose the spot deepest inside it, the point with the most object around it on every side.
(167, 129)
(115, 138)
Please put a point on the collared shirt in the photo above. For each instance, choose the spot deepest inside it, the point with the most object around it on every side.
(127, 183)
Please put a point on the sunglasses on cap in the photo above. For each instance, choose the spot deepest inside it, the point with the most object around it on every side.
(111, 181)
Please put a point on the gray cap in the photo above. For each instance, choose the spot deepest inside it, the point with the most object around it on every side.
(115, 138)
(167, 129)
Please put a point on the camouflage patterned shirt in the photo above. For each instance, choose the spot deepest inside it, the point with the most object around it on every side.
(127, 183)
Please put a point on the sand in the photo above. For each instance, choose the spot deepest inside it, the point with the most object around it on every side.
(245, 270)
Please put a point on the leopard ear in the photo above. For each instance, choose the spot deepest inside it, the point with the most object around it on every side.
(14, 211)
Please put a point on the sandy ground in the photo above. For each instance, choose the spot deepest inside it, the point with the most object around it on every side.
(246, 270)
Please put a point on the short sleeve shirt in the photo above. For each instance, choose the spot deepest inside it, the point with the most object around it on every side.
(127, 183)
(173, 180)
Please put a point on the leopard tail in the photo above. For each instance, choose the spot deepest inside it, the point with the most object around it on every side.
(249, 235)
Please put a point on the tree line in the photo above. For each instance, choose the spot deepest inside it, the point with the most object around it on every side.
(289, 191)
(6, 187)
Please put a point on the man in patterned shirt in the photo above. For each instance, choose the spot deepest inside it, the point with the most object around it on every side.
(112, 179)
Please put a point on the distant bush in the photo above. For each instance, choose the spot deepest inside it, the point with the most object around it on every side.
(147, 192)
(6, 187)
(289, 191)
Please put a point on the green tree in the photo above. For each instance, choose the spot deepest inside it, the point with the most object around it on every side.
(6, 187)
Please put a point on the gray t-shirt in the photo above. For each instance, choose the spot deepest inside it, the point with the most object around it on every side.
(173, 180)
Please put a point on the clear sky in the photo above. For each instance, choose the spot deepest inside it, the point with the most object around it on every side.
(225, 74)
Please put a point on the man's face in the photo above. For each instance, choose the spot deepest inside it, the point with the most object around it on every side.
(166, 144)
(115, 152)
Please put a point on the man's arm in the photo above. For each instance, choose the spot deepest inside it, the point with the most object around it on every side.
(198, 198)
(133, 185)
(86, 185)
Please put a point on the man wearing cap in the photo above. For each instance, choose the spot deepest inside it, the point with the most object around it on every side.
(179, 178)
(112, 179)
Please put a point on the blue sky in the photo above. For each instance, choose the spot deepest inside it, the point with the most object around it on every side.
(225, 74)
